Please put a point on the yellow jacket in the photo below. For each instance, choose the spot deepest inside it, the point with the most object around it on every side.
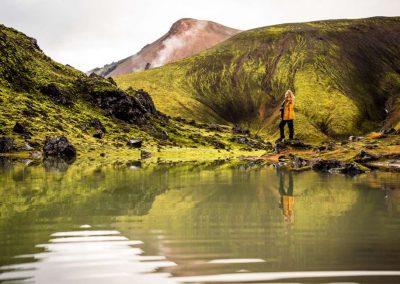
(288, 110)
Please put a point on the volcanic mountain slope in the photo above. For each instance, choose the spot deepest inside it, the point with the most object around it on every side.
(40, 98)
(345, 74)
(186, 37)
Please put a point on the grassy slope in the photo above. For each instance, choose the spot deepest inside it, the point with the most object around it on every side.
(343, 73)
(25, 69)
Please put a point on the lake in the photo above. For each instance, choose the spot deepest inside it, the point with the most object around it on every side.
(209, 222)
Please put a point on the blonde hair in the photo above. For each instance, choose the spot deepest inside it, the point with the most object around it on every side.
(289, 94)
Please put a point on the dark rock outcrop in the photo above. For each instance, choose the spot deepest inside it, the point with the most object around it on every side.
(145, 100)
(7, 145)
(130, 106)
(59, 147)
(57, 94)
(21, 129)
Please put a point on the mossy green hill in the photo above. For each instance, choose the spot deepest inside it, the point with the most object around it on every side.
(345, 74)
(49, 99)
(41, 98)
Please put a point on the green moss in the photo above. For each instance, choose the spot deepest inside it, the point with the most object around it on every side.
(25, 70)
(334, 67)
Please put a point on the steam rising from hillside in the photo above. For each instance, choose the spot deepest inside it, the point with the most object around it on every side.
(185, 38)
(177, 42)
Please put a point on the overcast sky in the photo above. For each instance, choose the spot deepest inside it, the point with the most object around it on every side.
(91, 33)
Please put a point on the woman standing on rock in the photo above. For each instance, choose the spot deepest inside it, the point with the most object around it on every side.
(287, 115)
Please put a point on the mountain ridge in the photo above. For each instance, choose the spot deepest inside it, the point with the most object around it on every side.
(186, 37)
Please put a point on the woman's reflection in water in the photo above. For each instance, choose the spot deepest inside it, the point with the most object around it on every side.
(286, 193)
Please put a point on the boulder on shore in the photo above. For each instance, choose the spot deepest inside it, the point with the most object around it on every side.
(335, 166)
(59, 147)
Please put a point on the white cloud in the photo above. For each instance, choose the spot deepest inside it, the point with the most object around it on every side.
(90, 33)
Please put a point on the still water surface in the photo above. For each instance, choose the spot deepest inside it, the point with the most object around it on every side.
(196, 223)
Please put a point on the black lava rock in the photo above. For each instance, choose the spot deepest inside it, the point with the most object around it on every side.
(7, 145)
(146, 101)
(59, 147)
(98, 135)
(135, 143)
(19, 128)
(326, 165)
(57, 94)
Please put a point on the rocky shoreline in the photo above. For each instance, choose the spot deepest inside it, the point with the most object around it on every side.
(357, 155)
(375, 152)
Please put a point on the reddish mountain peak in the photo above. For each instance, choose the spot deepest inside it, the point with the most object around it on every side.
(184, 24)
(186, 37)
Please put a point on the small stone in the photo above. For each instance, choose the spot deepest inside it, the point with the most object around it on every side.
(96, 124)
(135, 143)
(389, 131)
(86, 226)
(98, 135)
(355, 138)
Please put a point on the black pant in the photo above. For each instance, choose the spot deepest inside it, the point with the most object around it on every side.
(282, 191)
(282, 128)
